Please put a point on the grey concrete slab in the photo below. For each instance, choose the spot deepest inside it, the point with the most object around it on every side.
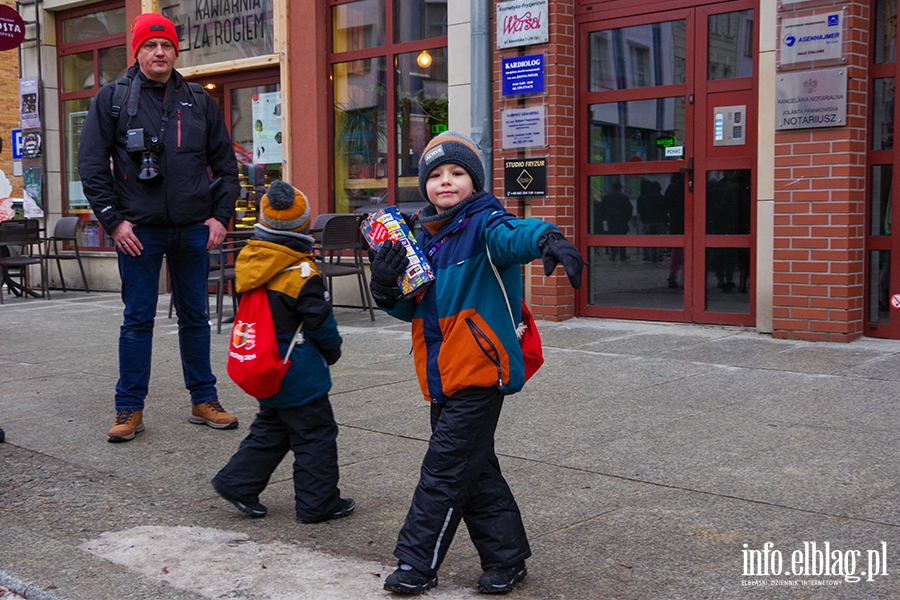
(643, 456)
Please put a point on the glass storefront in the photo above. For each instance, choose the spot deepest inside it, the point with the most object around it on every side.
(389, 99)
(91, 54)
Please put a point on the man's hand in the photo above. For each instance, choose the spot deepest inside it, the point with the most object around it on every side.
(388, 265)
(557, 249)
(216, 233)
(125, 239)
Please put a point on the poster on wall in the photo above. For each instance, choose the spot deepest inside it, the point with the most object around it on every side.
(31, 182)
(267, 128)
(28, 103)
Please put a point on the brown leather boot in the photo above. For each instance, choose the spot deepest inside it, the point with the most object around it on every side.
(212, 414)
(127, 424)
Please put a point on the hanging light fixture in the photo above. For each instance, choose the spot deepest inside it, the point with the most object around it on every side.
(423, 59)
(210, 86)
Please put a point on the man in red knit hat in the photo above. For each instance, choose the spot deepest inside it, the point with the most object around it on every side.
(164, 138)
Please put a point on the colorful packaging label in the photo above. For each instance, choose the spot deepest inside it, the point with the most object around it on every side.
(388, 224)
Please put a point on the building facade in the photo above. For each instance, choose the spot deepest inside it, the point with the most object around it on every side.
(716, 161)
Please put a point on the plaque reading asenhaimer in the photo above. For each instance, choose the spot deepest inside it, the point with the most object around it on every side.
(806, 99)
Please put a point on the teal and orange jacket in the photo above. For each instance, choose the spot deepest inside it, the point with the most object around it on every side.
(462, 332)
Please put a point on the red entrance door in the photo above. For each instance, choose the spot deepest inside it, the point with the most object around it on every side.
(667, 147)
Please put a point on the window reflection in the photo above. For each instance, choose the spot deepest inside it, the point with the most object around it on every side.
(357, 25)
(880, 200)
(640, 56)
(728, 202)
(728, 280)
(637, 130)
(883, 118)
(885, 31)
(360, 126)
(730, 45)
(879, 286)
(634, 284)
(76, 71)
(95, 25)
(421, 114)
(419, 19)
(256, 133)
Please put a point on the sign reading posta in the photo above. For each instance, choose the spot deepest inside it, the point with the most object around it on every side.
(12, 28)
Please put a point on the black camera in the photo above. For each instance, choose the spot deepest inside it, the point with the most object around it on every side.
(146, 148)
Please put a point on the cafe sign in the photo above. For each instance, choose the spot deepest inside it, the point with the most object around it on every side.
(211, 31)
(807, 99)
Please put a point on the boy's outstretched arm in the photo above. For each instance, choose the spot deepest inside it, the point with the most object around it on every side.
(555, 249)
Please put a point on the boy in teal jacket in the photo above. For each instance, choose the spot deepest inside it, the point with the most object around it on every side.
(299, 416)
(467, 359)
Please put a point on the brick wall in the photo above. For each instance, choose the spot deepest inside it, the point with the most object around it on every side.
(820, 183)
(9, 109)
(552, 298)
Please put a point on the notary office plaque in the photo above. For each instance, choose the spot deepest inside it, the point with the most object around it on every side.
(808, 99)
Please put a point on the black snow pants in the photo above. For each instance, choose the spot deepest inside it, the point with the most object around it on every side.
(461, 479)
(311, 432)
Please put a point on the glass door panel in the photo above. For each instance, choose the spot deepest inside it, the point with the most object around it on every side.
(662, 245)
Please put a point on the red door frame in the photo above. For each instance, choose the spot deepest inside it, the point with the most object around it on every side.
(697, 91)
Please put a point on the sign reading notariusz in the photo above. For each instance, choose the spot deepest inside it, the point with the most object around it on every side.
(807, 99)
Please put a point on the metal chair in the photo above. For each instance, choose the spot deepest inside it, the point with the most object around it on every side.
(26, 235)
(65, 230)
(340, 253)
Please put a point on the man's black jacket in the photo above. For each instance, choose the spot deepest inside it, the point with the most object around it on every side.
(197, 150)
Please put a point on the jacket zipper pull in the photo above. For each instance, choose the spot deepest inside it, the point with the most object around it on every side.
(179, 128)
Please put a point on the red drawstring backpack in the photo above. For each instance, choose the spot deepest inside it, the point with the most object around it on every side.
(254, 362)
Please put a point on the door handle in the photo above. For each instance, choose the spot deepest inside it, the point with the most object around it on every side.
(689, 170)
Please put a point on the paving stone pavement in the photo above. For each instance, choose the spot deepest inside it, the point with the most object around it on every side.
(650, 461)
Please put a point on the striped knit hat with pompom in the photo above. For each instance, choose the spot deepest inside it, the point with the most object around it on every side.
(284, 208)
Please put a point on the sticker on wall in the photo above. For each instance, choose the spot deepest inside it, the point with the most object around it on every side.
(33, 205)
(895, 301)
(267, 128)
(28, 103)
(31, 145)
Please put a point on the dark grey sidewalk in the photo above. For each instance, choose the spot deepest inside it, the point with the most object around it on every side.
(648, 459)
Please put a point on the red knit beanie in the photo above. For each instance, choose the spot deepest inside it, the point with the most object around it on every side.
(152, 25)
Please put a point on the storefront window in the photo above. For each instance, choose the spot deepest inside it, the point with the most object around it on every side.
(91, 53)
(256, 133)
(360, 125)
(376, 155)
(885, 31)
(419, 19)
(357, 26)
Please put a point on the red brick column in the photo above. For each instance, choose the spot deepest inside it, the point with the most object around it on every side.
(820, 201)
(552, 298)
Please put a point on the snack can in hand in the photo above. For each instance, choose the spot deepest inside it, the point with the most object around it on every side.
(388, 224)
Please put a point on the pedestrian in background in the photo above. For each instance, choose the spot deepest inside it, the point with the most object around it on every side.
(467, 360)
(167, 145)
(299, 416)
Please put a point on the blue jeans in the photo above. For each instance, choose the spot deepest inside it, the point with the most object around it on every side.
(185, 249)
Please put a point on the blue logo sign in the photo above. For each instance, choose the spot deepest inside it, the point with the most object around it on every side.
(834, 20)
(523, 75)
(789, 41)
(16, 144)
